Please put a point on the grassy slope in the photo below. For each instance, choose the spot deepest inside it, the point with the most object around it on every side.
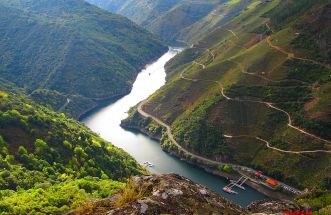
(72, 47)
(49, 163)
(304, 84)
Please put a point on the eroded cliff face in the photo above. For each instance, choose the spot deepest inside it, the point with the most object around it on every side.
(174, 194)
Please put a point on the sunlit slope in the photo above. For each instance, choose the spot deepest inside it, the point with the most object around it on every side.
(262, 83)
(50, 164)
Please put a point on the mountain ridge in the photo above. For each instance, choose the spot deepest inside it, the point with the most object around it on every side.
(73, 48)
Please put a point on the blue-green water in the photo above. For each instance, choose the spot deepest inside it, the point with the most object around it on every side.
(106, 121)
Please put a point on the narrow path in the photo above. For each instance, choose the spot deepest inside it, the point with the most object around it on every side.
(232, 32)
(203, 66)
(268, 145)
(61, 109)
(243, 70)
(295, 127)
(170, 135)
(270, 105)
(212, 54)
(292, 55)
(214, 14)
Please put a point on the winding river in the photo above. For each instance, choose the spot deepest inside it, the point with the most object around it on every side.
(105, 120)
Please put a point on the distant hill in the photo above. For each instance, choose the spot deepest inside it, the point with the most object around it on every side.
(180, 21)
(72, 47)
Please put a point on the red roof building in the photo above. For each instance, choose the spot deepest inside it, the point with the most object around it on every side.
(258, 174)
(272, 182)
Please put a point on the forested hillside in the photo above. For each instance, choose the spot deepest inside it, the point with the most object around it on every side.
(50, 163)
(256, 92)
(177, 21)
(71, 47)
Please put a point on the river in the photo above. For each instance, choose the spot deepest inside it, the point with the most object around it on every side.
(105, 120)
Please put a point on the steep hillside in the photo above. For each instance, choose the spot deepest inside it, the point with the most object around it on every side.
(176, 21)
(256, 92)
(51, 164)
(72, 47)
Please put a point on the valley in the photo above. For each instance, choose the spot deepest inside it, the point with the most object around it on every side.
(229, 93)
(106, 121)
(237, 118)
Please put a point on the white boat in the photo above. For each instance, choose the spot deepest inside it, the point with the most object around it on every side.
(229, 190)
(149, 164)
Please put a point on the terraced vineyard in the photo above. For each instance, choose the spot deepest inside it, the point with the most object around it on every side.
(259, 87)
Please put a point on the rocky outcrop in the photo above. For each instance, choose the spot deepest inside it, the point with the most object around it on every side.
(174, 194)
(272, 207)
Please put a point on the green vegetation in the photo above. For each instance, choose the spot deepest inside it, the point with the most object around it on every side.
(319, 200)
(287, 11)
(49, 163)
(197, 134)
(135, 121)
(72, 47)
(307, 72)
(131, 193)
(56, 198)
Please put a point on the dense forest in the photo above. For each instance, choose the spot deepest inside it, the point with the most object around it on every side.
(72, 47)
(50, 163)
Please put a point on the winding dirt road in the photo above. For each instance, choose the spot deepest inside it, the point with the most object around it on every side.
(268, 104)
(232, 32)
(170, 135)
(292, 55)
(61, 109)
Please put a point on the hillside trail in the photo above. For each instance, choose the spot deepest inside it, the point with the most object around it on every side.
(268, 104)
(291, 55)
(61, 109)
(206, 160)
(170, 135)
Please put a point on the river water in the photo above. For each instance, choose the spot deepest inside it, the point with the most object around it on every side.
(105, 120)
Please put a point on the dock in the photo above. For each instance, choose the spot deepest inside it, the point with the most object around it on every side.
(239, 183)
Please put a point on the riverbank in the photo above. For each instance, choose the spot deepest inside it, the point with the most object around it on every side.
(139, 123)
(101, 102)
